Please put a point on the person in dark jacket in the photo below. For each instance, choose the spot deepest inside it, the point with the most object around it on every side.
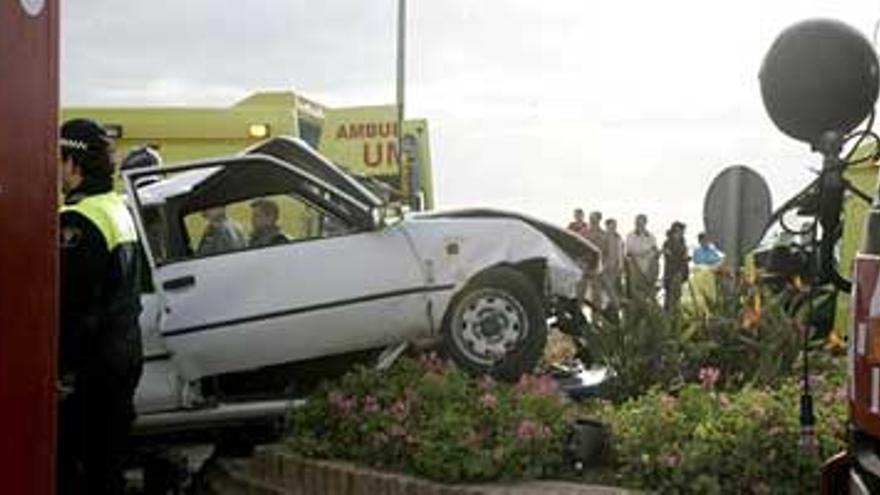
(264, 222)
(675, 265)
(100, 359)
(141, 157)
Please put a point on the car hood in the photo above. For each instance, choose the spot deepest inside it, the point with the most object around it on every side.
(572, 244)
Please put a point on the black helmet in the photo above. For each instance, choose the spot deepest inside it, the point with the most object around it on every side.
(83, 135)
(86, 143)
(141, 157)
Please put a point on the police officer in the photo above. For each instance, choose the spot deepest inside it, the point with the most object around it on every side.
(142, 157)
(100, 341)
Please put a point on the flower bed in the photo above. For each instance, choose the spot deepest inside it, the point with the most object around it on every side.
(429, 419)
(703, 402)
(699, 440)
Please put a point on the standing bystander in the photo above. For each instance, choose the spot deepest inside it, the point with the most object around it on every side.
(706, 254)
(675, 265)
(595, 293)
(612, 264)
(578, 225)
(642, 256)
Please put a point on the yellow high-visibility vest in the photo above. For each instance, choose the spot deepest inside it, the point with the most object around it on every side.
(110, 215)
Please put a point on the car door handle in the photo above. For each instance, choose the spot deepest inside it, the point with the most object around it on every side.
(179, 283)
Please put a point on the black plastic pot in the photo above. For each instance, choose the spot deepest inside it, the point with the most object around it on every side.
(589, 443)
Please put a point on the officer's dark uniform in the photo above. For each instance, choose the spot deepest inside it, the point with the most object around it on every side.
(100, 341)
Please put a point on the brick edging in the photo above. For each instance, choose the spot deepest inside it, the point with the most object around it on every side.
(275, 471)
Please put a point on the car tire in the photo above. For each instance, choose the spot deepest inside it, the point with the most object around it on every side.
(496, 325)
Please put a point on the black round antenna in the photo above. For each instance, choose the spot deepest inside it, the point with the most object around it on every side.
(819, 81)
(819, 76)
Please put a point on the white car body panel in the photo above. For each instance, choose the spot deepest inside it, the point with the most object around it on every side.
(482, 243)
(159, 388)
(293, 302)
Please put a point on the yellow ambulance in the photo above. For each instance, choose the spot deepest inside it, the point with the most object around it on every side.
(363, 140)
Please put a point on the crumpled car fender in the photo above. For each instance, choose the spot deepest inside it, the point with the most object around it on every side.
(454, 250)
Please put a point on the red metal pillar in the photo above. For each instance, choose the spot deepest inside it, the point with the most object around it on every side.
(28, 244)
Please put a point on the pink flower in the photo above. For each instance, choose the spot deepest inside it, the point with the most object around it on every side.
(371, 405)
(527, 429)
(671, 459)
(431, 362)
(544, 385)
(342, 404)
(399, 410)
(486, 383)
(488, 401)
(709, 376)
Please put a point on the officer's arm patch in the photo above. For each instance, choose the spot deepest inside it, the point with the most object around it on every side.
(70, 237)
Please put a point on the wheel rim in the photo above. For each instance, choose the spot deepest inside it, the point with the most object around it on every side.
(487, 325)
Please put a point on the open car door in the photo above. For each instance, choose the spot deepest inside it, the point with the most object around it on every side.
(322, 280)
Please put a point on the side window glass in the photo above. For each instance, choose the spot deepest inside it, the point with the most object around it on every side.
(212, 210)
(258, 223)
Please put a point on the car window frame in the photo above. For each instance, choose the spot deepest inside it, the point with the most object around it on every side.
(131, 178)
(196, 257)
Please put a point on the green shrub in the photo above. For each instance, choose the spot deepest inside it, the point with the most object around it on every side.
(427, 418)
(642, 345)
(750, 342)
(649, 347)
(703, 441)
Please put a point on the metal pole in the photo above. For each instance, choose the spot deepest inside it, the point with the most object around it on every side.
(401, 76)
(29, 258)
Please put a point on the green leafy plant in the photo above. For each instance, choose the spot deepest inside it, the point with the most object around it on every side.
(743, 334)
(427, 418)
(642, 344)
(746, 334)
(700, 440)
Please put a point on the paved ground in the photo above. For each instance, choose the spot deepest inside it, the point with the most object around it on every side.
(552, 488)
(228, 477)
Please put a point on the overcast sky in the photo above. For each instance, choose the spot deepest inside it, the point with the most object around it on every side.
(620, 106)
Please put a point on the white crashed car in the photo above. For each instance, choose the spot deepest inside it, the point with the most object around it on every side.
(233, 325)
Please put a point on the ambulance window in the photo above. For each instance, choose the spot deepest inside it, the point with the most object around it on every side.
(310, 133)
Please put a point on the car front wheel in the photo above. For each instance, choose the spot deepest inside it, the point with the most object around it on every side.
(496, 325)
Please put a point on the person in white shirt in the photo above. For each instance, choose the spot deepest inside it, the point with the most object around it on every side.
(612, 261)
(642, 255)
